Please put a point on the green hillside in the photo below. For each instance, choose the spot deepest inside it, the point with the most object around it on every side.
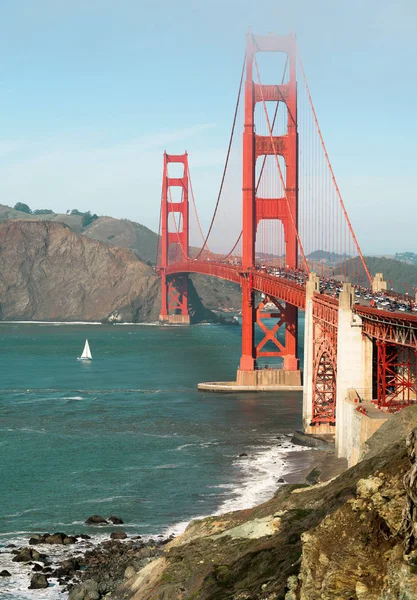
(397, 271)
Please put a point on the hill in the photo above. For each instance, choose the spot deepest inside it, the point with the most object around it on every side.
(116, 232)
(49, 272)
(395, 271)
(122, 233)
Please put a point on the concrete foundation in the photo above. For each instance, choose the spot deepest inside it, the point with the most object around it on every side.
(264, 380)
(360, 420)
(175, 319)
(354, 363)
(232, 386)
(269, 377)
(318, 430)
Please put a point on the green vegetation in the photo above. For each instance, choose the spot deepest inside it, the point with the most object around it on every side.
(395, 272)
(22, 207)
(88, 218)
(43, 211)
(409, 257)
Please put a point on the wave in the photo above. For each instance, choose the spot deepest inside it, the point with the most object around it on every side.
(257, 478)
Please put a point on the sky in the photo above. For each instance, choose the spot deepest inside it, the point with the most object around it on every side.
(93, 92)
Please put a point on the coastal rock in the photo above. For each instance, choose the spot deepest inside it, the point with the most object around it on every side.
(69, 539)
(55, 538)
(38, 582)
(118, 535)
(67, 567)
(26, 554)
(35, 539)
(88, 590)
(5, 573)
(116, 520)
(96, 520)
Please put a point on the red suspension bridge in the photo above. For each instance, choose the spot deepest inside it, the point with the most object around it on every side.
(292, 248)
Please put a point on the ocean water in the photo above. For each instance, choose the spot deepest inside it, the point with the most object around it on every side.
(128, 434)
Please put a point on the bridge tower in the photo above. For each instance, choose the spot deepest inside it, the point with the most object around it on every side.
(174, 243)
(256, 209)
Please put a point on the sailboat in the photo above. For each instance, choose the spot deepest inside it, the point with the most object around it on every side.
(86, 355)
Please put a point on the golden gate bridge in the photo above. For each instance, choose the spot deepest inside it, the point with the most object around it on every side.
(294, 248)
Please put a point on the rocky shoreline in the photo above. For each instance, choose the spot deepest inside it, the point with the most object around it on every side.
(81, 568)
(85, 568)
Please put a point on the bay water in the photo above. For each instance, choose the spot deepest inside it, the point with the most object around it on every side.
(129, 434)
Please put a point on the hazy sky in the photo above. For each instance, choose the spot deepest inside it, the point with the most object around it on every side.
(93, 91)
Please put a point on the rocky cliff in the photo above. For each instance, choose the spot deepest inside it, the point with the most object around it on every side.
(353, 537)
(49, 272)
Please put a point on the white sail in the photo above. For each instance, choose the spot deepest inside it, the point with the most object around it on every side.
(86, 352)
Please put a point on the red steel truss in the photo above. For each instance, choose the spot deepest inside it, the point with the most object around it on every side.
(325, 315)
(276, 287)
(395, 345)
(256, 209)
(388, 327)
(396, 376)
(174, 243)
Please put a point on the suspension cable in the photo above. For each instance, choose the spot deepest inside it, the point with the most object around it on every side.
(159, 242)
(195, 210)
(331, 170)
(227, 160)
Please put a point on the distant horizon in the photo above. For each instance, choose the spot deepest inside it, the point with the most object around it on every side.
(67, 213)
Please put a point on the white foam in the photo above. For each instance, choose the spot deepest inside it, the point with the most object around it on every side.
(257, 475)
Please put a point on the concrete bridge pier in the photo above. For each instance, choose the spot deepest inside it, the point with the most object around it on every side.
(378, 283)
(312, 287)
(354, 367)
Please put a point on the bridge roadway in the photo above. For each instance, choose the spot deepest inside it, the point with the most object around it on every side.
(291, 287)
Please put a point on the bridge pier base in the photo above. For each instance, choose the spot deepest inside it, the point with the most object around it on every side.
(354, 368)
(175, 319)
(269, 377)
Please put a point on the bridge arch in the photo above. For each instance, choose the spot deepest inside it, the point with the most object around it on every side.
(324, 383)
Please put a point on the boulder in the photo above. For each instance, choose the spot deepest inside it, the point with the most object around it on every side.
(116, 520)
(26, 554)
(67, 567)
(118, 535)
(69, 539)
(35, 539)
(85, 591)
(59, 538)
(130, 572)
(242, 454)
(96, 520)
(5, 573)
(38, 582)
(37, 567)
